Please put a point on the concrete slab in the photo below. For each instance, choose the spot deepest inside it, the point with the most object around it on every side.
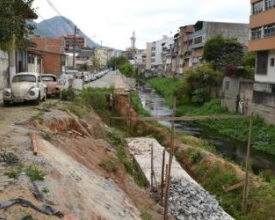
(140, 148)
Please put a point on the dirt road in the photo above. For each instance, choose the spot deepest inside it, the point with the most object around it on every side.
(75, 183)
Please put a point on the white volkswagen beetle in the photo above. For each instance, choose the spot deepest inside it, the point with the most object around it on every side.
(25, 86)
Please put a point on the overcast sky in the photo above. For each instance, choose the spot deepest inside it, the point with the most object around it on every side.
(112, 22)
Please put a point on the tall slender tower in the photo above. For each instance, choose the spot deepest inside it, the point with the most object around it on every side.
(133, 40)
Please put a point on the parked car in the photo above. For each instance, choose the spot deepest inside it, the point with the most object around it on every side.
(25, 86)
(53, 86)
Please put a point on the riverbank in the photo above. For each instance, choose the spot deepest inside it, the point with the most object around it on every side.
(263, 137)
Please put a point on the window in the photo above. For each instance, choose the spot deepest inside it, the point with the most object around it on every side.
(30, 59)
(198, 40)
(256, 33)
(227, 84)
(269, 30)
(272, 62)
(269, 4)
(262, 58)
(257, 7)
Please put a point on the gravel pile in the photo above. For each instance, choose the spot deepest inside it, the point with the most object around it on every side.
(188, 201)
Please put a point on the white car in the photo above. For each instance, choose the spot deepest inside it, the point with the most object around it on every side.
(25, 86)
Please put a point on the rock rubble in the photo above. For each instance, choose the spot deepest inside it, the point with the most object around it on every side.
(188, 201)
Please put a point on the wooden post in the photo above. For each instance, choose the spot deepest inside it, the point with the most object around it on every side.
(166, 200)
(152, 167)
(246, 181)
(162, 178)
(171, 154)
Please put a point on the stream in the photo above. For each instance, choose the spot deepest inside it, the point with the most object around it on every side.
(226, 147)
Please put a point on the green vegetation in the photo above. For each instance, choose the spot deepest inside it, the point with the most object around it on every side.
(34, 173)
(165, 87)
(15, 171)
(124, 66)
(145, 215)
(13, 26)
(110, 165)
(136, 104)
(116, 139)
(263, 137)
(215, 176)
(196, 86)
(45, 190)
(87, 100)
(223, 53)
(68, 94)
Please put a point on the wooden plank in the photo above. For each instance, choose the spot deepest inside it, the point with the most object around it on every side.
(236, 186)
(186, 118)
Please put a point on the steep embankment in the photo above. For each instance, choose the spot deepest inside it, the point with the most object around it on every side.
(74, 159)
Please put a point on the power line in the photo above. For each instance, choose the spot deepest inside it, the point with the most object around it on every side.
(55, 9)
(52, 28)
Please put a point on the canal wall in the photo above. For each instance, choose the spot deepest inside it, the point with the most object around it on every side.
(187, 199)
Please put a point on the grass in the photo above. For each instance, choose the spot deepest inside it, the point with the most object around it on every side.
(110, 165)
(34, 173)
(145, 215)
(165, 87)
(116, 138)
(15, 171)
(45, 190)
(136, 104)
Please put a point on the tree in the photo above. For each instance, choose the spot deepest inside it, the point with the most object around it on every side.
(197, 84)
(224, 54)
(127, 69)
(249, 65)
(13, 26)
(117, 61)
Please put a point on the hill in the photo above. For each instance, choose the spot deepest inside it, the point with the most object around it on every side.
(59, 26)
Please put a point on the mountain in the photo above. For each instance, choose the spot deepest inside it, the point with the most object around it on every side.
(59, 26)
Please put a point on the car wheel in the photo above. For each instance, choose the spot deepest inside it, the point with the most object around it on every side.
(45, 97)
(6, 103)
(37, 101)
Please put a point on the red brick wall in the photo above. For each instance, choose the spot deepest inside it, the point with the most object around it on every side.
(52, 63)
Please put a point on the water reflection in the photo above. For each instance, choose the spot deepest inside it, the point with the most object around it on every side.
(225, 146)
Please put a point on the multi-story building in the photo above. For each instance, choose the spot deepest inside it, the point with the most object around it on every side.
(74, 43)
(205, 30)
(148, 56)
(101, 55)
(157, 65)
(262, 41)
(185, 47)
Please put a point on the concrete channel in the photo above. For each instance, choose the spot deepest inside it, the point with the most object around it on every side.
(187, 199)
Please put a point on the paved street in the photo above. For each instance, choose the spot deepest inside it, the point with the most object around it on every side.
(111, 79)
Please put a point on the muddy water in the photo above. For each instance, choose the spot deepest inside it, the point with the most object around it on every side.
(226, 147)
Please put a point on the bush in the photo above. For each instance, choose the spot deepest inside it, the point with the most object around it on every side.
(68, 94)
(34, 173)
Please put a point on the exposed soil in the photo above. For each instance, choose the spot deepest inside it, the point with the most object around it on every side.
(70, 156)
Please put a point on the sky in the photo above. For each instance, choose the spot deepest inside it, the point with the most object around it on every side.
(112, 22)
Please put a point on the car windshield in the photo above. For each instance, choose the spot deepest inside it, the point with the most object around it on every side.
(24, 78)
(48, 78)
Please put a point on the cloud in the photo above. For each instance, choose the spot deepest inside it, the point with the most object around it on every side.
(114, 21)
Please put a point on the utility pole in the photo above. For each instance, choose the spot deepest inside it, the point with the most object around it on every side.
(74, 46)
(12, 55)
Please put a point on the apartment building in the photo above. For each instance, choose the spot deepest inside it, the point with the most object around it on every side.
(185, 47)
(157, 65)
(73, 42)
(205, 30)
(262, 41)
